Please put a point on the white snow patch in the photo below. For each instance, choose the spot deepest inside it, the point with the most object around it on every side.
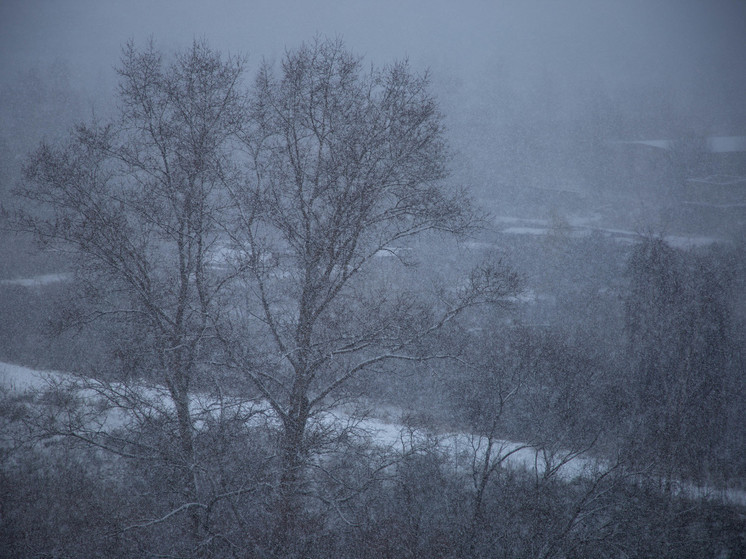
(463, 447)
(19, 378)
(719, 206)
(525, 231)
(387, 252)
(719, 180)
(520, 220)
(37, 281)
(689, 242)
(478, 245)
(619, 235)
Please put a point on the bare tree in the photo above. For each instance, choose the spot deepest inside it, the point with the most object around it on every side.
(140, 203)
(347, 167)
(679, 335)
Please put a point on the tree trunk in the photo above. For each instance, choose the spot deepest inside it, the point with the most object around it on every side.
(291, 479)
(178, 387)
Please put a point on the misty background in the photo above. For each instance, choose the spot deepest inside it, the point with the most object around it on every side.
(534, 93)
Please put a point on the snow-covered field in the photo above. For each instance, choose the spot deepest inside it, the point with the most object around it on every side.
(387, 431)
(16, 378)
(37, 281)
(584, 227)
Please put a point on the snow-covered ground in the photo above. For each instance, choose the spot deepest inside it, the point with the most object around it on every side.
(37, 281)
(388, 432)
(578, 227)
(17, 378)
(526, 230)
(114, 412)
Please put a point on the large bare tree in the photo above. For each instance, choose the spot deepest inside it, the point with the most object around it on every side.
(140, 203)
(177, 244)
(348, 165)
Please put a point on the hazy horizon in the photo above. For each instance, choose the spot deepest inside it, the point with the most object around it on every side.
(691, 52)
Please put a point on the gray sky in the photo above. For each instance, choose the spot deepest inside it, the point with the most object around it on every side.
(695, 48)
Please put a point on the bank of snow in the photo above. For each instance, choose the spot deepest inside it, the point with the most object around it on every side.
(20, 379)
(37, 281)
(464, 448)
(580, 229)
